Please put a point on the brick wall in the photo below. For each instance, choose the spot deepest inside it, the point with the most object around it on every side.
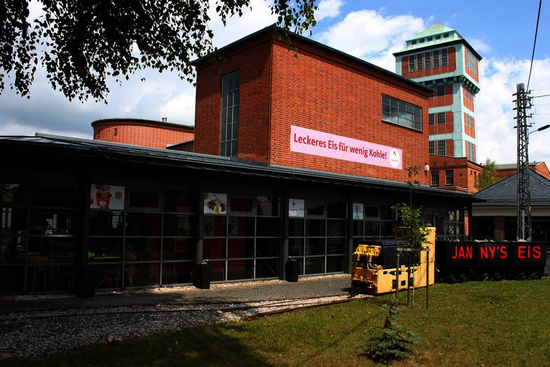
(324, 91)
(153, 134)
(252, 59)
(320, 90)
(464, 172)
(450, 67)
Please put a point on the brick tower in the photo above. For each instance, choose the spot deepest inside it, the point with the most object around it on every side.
(440, 58)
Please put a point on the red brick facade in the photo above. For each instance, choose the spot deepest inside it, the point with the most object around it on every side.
(155, 134)
(539, 167)
(464, 172)
(450, 67)
(315, 88)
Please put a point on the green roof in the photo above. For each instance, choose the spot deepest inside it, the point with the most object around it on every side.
(435, 29)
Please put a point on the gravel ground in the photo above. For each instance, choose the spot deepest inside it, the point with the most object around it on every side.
(41, 326)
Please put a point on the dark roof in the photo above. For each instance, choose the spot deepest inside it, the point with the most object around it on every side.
(317, 44)
(143, 121)
(182, 159)
(504, 192)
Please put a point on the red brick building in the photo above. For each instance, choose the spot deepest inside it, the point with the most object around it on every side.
(455, 174)
(270, 99)
(509, 169)
(148, 133)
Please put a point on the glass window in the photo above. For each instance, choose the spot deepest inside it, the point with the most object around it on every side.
(431, 117)
(240, 269)
(12, 249)
(267, 268)
(12, 192)
(142, 249)
(241, 204)
(106, 223)
(335, 246)
(411, 63)
(432, 147)
(54, 194)
(419, 62)
(444, 59)
(295, 227)
(267, 206)
(401, 113)
(336, 228)
(441, 118)
(428, 58)
(177, 273)
(371, 211)
(105, 250)
(179, 225)
(268, 227)
(230, 114)
(315, 265)
(435, 55)
(179, 201)
(52, 250)
(315, 227)
(214, 248)
(241, 248)
(214, 226)
(440, 91)
(51, 221)
(435, 178)
(441, 147)
(144, 199)
(268, 247)
(13, 221)
(241, 227)
(178, 249)
(335, 264)
(449, 178)
(143, 224)
(296, 247)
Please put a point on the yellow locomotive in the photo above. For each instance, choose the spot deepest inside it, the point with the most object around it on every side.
(375, 265)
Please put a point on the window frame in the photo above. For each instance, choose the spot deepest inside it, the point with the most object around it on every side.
(229, 120)
(404, 111)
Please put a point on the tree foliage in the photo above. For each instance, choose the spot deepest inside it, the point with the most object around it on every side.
(488, 176)
(81, 44)
(394, 343)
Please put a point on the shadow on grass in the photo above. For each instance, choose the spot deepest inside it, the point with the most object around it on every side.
(197, 346)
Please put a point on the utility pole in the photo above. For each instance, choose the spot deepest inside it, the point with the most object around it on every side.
(523, 103)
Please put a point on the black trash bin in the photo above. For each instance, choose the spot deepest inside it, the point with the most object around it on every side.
(88, 282)
(292, 270)
(202, 275)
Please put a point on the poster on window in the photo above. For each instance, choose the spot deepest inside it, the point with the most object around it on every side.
(215, 203)
(296, 208)
(107, 197)
(357, 211)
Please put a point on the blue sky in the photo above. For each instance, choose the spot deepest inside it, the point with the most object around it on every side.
(501, 31)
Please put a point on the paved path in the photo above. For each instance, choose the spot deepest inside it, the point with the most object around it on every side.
(224, 293)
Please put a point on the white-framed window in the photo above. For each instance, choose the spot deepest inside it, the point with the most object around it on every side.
(230, 115)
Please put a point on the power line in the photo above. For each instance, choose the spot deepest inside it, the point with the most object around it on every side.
(544, 95)
(534, 45)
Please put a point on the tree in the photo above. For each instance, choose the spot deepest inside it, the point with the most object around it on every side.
(393, 344)
(488, 175)
(81, 44)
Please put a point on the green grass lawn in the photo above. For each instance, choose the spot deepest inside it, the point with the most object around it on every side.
(473, 324)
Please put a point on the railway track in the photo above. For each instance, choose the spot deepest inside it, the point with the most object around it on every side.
(37, 334)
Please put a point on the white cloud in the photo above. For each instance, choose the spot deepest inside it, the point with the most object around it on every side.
(181, 105)
(495, 123)
(479, 45)
(239, 27)
(370, 35)
(328, 9)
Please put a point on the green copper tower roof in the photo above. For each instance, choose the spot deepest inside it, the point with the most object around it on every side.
(436, 29)
(434, 36)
